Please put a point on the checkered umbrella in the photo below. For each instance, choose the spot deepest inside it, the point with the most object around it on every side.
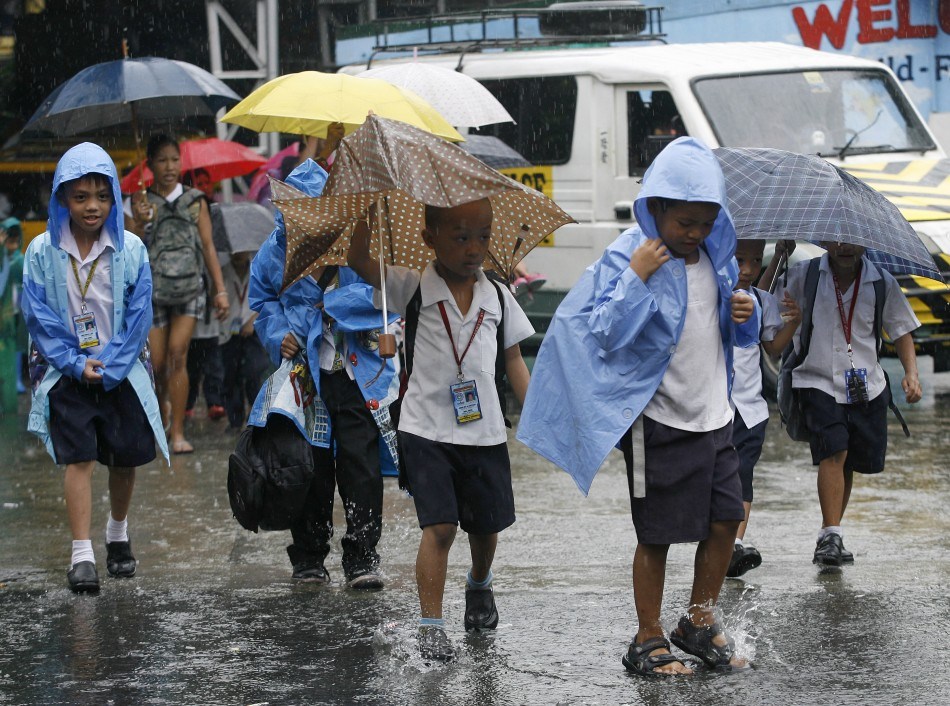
(779, 194)
(403, 169)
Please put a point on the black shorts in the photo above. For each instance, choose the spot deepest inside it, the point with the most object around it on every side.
(692, 481)
(748, 443)
(88, 423)
(465, 485)
(859, 429)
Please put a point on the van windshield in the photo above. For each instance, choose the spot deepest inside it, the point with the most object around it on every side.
(832, 113)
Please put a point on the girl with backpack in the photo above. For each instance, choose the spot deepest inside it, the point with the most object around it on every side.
(175, 224)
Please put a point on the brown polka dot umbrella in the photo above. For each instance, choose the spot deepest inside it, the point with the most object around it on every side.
(404, 168)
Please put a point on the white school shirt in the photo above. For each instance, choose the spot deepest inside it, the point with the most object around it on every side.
(171, 198)
(427, 408)
(327, 352)
(747, 396)
(827, 359)
(693, 394)
(99, 298)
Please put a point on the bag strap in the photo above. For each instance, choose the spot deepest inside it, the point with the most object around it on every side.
(811, 292)
(880, 298)
(329, 272)
(758, 298)
(411, 317)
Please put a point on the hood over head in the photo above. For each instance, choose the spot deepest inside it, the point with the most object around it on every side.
(86, 158)
(687, 170)
(310, 178)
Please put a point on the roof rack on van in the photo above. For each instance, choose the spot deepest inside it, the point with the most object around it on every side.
(588, 22)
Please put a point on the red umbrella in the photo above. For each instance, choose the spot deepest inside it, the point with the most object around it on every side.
(222, 159)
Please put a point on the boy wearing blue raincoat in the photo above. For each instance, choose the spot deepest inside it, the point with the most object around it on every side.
(335, 326)
(87, 303)
(639, 354)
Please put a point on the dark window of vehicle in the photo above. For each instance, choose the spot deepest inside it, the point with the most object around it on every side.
(653, 122)
(544, 108)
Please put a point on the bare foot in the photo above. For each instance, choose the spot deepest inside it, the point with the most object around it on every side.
(182, 446)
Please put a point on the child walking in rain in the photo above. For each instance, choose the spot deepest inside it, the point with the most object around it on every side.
(329, 319)
(455, 453)
(844, 392)
(87, 302)
(640, 354)
(751, 410)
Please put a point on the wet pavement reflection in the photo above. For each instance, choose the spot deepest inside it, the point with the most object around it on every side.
(212, 616)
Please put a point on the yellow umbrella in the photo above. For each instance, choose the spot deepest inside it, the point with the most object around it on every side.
(306, 103)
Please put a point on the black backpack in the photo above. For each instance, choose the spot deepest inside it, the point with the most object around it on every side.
(269, 475)
(789, 398)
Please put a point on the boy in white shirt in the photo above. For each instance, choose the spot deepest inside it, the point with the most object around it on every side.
(454, 449)
(844, 394)
(751, 410)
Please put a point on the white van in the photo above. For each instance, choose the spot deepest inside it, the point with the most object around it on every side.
(592, 119)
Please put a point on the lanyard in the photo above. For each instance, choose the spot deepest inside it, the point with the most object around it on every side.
(448, 330)
(241, 293)
(84, 289)
(846, 323)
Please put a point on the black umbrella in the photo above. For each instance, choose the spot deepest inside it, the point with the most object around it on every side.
(779, 194)
(493, 152)
(118, 92)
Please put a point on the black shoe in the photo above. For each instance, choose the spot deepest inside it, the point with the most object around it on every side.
(480, 610)
(846, 556)
(311, 573)
(435, 644)
(119, 560)
(83, 578)
(744, 558)
(828, 551)
(365, 579)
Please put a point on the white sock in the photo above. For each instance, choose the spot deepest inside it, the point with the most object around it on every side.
(834, 529)
(739, 542)
(117, 531)
(82, 551)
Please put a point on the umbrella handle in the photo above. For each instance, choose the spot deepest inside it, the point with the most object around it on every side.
(387, 341)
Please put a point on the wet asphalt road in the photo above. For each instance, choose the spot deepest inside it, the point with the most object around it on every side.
(212, 616)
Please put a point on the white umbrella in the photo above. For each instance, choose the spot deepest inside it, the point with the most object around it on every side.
(460, 99)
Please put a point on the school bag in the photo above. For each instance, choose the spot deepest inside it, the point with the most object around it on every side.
(270, 471)
(174, 249)
(269, 475)
(789, 398)
(411, 318)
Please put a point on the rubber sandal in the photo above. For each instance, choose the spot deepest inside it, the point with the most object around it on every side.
(639, 660)
(182, 447)
(698, 641)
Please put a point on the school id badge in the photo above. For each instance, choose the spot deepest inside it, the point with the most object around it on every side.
(856, 385)
(465, 401)
(86, 330)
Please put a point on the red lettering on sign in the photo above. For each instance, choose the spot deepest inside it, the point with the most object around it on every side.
(825, 25)
(906, 29)
(867, 17)
(943, 15)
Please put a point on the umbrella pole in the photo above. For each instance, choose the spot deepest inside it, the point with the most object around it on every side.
(387, 341)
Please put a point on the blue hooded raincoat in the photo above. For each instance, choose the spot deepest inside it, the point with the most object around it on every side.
(296, 310)
(46, 308)
(613, 336)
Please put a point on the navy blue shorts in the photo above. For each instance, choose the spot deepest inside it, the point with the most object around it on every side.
(468, 486)
(87, 423)
(859, 429)
(692, 481)
(748, 443)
